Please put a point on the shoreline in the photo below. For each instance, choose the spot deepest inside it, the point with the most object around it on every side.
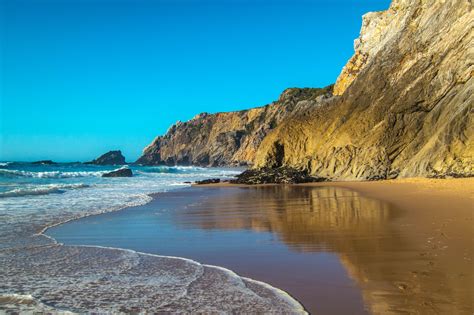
(289, 298)
(372, 189)
(254, 278)
(362, 187)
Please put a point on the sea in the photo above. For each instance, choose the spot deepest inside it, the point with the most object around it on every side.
(80, 188)
(39, 274)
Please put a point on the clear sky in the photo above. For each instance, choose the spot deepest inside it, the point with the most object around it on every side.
(81, 77)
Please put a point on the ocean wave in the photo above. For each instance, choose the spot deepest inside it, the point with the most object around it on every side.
(50, 174)
(171, 169)
(41, 190)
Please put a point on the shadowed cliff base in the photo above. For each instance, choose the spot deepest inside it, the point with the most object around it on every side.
(280, 175)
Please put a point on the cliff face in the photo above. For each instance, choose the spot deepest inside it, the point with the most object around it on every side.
(405, 101)
(402, 107)
(230, 138)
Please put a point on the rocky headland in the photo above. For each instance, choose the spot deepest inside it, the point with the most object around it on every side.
(231, 138)
(401, 107)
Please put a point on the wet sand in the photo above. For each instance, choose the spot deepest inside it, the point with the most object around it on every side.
(433, 273)
(424, 262)
(380, 247)
(270, 234)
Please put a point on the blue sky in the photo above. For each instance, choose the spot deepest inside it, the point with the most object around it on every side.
(81, 77)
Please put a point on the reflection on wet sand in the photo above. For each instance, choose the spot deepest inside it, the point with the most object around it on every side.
(306, 219)
(380, 246)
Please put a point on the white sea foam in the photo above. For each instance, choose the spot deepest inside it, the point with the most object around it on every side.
(182, 171)
(53, 190)
(25, 304)
(50, 174)
(193, 287)
(41, 190)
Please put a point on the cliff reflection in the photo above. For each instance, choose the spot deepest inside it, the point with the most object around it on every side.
(304, 218)
(386, 258)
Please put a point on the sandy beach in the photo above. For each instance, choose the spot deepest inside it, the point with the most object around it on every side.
(381, 247)
(424, 261)
(438, 271)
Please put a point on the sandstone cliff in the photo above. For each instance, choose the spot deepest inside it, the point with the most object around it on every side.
(402, 107)
(405, 101)
(230, 138)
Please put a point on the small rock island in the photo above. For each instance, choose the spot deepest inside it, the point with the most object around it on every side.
(109, 158)
(44, 162)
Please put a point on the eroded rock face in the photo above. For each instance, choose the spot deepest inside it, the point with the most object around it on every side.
(230, 138)
(109, 158)
(379, 29)
(405, 105)
(402, 107)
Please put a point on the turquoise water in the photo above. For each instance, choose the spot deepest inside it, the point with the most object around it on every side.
(34, 196)
(27, 188)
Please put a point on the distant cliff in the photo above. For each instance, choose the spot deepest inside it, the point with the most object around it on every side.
(230, 138)
(402, 107)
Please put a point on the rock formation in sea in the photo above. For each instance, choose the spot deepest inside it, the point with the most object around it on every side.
(121, 172)
(44, 162)
(401, 107)
(109, 158)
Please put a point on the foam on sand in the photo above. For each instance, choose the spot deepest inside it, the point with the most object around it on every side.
(101, 279)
